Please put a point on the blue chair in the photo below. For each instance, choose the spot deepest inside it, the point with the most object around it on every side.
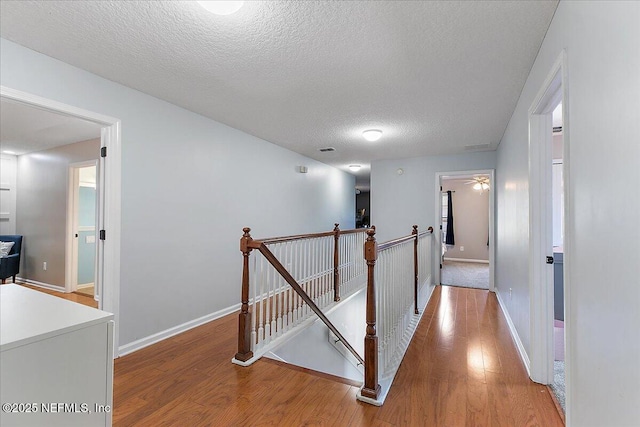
(10, 265)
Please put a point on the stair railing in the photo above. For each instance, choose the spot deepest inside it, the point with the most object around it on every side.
(295, 277)
(395, 271)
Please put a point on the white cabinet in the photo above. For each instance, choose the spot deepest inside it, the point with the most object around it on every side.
(56, 361)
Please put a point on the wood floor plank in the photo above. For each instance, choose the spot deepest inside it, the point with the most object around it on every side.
(462, 369)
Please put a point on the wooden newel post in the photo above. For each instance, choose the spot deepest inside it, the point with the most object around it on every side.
(336, 262)
(415, 268)
(371, 388)
(244, 320)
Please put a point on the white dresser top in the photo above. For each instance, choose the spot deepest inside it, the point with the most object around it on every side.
(27, 316)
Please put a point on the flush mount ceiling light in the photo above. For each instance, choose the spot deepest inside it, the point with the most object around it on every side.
(221, 7)
(354, 168)
(372, 134)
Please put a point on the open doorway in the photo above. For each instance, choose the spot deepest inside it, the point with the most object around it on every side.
(83, 214)
(107, 273)
(549, 234)
(465, 212)
(557, 226)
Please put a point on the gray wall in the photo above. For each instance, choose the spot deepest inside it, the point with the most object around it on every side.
(470, 220)
(42, 208)
(399, 201)
(602, 45)
(189, 185)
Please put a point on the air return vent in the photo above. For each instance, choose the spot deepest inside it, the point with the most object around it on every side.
(476, 147)
(327, 149)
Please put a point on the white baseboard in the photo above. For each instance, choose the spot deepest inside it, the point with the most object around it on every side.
(481, 261)
(41, 284)
(162, 335)
(514, 335)
(85, 285)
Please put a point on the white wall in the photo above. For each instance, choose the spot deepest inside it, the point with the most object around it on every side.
(602, 42)
(399, 201)
(189, 185)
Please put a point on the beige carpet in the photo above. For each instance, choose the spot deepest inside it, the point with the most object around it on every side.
(465, 274)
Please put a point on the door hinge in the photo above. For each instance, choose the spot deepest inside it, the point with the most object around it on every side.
(103, 152)
(440, 266)
(103, 235)
(440, 226)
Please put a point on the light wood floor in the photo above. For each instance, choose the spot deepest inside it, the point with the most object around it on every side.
(462, 369)
(73, 296)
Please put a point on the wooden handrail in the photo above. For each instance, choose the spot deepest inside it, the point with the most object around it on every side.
(272, 240)
(395, 242)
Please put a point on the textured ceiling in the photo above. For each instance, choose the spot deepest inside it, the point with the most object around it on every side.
(435, 76)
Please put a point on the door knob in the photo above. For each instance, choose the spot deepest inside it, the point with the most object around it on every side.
(549, 260)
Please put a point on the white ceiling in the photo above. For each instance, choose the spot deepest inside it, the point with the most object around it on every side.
(24, 129)
(435, 76)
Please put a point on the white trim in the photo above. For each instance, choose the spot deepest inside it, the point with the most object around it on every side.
(479, 261)
(550, 94)
(86, 228)
(175, 330)
(514, 335)
(85, 285)
(437, 256)
(109, 250)
(41, 284)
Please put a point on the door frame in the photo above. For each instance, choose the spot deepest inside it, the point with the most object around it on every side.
(553, 90)
(71, 255)
(438, 236)
(109, 197)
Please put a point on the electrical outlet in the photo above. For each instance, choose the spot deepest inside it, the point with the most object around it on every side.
(461, 248)
(44, 266)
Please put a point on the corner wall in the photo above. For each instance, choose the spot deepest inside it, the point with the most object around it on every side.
(602, 43)
(189, 185)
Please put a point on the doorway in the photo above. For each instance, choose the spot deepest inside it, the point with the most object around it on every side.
(465, 202)
(83, 213)
(550, 230)
(107, 195)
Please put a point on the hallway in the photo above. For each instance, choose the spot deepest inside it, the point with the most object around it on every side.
(461, 368)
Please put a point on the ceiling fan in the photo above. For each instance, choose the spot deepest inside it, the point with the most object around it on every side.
(480, 183)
